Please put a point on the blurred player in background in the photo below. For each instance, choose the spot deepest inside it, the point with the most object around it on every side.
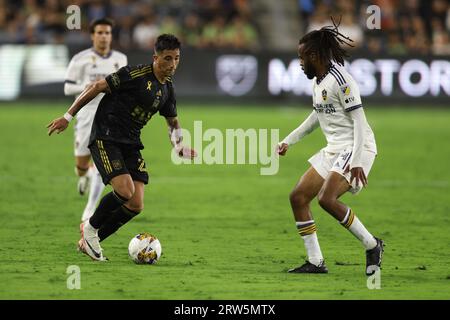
(344, 164)
(133, 96)
(85, 68)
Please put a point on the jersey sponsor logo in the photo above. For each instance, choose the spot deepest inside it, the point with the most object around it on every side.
(350, 99)
(97, 76)
(142, 116)
(327, 108)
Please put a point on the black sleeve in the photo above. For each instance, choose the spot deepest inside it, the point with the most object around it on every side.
(122, 79)
(169, 109)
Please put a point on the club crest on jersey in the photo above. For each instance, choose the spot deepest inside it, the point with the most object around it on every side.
(117, 165)
(324, 94)
(116, 66)
(149, 85)
(345, 90)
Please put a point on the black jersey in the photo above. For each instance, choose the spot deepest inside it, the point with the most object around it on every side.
(136, 95)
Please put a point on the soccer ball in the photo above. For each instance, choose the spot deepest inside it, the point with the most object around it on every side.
(144, 248)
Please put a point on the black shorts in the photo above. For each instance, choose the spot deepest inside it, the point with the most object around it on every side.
(113, 159)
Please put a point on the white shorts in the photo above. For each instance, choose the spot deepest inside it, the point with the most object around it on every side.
(82, 131)
(324, 162)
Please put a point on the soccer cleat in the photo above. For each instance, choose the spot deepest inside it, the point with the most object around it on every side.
(308, 267)
(374, 257)
(90, 244)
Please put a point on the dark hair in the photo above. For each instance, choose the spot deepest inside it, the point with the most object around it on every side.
(102, 21)
(326, 43)
(166, 42)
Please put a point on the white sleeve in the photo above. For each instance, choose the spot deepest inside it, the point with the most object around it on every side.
(359, 123)
(349, 94)
(72, 83)
(307, 126)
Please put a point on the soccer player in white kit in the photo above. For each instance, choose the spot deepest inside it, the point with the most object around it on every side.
(344, 164)
(85, 68)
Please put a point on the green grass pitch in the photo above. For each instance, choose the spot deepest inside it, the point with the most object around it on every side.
(227, 232)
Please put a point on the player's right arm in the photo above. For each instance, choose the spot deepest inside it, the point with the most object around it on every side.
(72, 85)
(91, 91)
(307, 126)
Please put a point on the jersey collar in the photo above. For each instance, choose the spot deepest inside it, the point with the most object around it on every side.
(103, 57)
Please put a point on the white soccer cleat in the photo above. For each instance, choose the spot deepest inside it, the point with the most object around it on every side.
(90, 242)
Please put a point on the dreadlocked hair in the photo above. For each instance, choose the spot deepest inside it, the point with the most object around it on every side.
(326, 43)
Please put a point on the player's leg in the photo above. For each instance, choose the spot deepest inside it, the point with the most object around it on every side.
(82, 170)
(82, 165)
(123, 190)
(135, 164)
(124, 213)
(95, 192)
(118, 176)
(335, 185)
(301, 196)
(82, 154)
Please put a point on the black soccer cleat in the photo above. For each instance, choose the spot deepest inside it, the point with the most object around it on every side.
(374, 257)
(308, 267)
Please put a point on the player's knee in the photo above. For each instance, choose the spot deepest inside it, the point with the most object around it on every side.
(298, 198)
(136, 207)
(325, 200)
(81, 170)
(125, 191)
(124, 187)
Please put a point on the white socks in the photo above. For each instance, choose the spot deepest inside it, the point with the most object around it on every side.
(95, 192)
(307, 230)
(352, 223)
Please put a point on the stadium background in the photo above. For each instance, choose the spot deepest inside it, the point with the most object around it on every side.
(238, 70)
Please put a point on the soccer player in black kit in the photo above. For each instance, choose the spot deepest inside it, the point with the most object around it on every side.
(133, 95)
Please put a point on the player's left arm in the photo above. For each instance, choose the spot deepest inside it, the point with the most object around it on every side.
(169, 111)
(351, 101)
(356, 168)
(176, 138)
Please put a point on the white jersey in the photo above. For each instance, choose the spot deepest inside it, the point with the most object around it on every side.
(334, 95)
(88, 66)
